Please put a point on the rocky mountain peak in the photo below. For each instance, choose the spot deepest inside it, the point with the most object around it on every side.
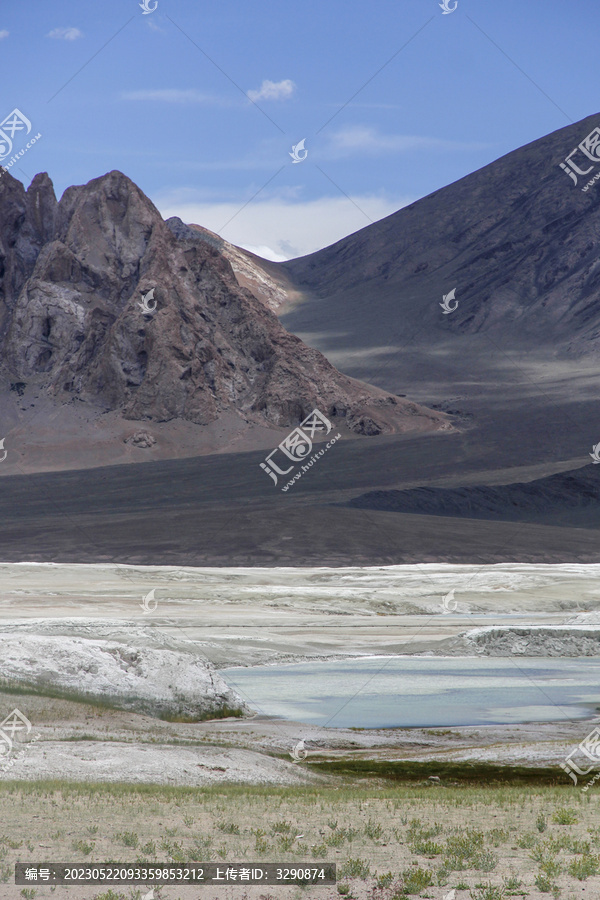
(75, 320)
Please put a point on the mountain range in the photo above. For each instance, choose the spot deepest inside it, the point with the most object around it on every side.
(483, 410)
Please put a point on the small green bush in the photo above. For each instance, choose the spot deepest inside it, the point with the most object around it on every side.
(565, 816)
(128, 838)
(416, 880)
(584, 867)
(355, 868)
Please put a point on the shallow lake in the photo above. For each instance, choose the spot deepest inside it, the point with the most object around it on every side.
(390, 692)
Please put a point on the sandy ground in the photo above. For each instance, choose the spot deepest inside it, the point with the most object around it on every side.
(447, 838)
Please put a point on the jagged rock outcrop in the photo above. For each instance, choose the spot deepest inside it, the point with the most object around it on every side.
(26, 224)
(264, 278)
(75, 276)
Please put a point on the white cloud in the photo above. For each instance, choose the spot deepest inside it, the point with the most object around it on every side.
(264, 252)
(273, 90)
(65, 34)
(172, 95)
(363, 139)
(4, 34)
(280, 228)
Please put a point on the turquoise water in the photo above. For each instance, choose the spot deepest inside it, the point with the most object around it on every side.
(391, 692)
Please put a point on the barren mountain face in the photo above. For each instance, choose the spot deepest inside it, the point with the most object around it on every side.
(518, 240)
(73, 277)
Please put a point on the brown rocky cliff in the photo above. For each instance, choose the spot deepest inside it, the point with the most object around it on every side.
(73, 278)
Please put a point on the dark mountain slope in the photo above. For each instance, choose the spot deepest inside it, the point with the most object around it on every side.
(567, 498)
(517, 238)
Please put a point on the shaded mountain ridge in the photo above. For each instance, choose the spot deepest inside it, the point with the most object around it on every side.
(564, 498)
(516, 238)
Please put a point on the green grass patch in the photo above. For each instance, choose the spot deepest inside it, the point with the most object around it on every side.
(463, 772)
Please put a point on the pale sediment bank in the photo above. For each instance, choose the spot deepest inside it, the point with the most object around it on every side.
(208, 617)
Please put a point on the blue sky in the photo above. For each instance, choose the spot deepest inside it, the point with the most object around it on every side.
(164, 97)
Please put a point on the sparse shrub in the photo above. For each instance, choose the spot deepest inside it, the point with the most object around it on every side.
(544, 884)
(174, 851)
(513, 887)
(110, 895)
(487, 892)
(128, 838)
(541, 823)
(462, 848)
(416, 880)
(286, 841)
(576, 846)
(229, 828)
(83, 847)
(340, 836)
(355, 868)
(550, 867)
(584, 867)
(417, 831)
(441, 876)
(527, 841)
(384, 881)
(201, 847)
(149, 849)
(565, 816)
(373, 830)
(425, 848)
(261, 845)
(498, 836)
(485, 861)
